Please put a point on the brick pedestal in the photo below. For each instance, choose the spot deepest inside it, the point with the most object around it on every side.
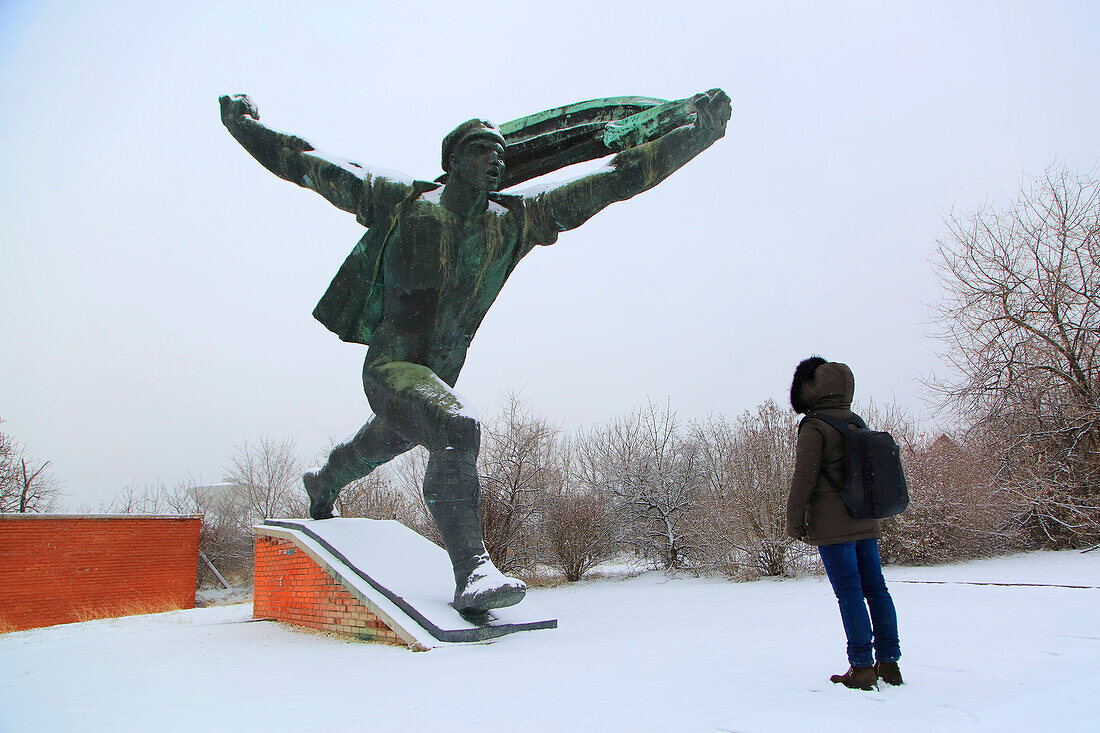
(291, 587)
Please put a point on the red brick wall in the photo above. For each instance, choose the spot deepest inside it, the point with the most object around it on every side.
(63, 568)
(291, 587)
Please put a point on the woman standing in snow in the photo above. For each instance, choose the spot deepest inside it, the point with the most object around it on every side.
(848, 546)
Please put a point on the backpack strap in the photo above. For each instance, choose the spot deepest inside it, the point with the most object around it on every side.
(837, 423)
(840, 426)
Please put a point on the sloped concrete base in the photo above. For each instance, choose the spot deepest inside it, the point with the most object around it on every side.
(402, 578)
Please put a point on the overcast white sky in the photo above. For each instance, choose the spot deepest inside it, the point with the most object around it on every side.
(158, 282)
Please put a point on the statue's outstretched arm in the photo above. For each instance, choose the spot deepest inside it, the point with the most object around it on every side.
(637, 169)
(291, 157)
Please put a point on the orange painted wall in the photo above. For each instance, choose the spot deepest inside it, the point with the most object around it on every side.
(57, 569)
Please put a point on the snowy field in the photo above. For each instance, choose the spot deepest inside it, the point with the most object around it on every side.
(650, 653)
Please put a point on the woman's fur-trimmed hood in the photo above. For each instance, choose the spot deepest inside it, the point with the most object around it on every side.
(819, 384)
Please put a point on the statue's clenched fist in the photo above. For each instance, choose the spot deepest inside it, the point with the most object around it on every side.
(713, 109)
(236, 106)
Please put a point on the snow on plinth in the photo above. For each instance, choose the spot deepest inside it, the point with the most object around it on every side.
(406, 577)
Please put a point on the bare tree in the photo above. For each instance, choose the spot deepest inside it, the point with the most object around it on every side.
(226, 538)
(749, 469)
(519, 463)
(267, 474)
(25, 484)
(580, 531)
(1020, 321)
(376, 497)
(530, 510)
(653, 476)
(579, 527)
(226, 535)
(146, 499)
(956, 510)
(408, 472)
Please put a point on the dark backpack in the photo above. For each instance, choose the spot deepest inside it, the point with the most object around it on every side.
(874, 486)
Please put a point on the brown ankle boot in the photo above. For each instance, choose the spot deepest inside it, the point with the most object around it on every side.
(858, 678)
(889, 673)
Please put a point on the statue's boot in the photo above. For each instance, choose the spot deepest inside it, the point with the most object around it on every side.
(452, 493)
(321, 497)
(323, 484)
(479, 586)
(370, 447)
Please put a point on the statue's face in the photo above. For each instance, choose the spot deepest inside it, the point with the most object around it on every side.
(479, 162)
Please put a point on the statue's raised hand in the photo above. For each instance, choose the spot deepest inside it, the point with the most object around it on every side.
(236, 107)
(713, 110)
(240, 115)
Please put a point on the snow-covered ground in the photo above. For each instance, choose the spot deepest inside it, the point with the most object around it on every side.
(650, 653)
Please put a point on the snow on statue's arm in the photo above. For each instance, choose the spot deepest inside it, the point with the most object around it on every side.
(343, 183)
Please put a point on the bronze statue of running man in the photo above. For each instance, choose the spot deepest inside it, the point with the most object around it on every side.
(418, 284)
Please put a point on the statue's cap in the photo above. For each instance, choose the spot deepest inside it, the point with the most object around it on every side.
(465, 131)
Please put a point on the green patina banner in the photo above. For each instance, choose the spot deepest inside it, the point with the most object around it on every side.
(555, 138)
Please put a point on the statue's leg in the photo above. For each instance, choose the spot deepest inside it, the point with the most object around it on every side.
(421, 408)
(373, 445)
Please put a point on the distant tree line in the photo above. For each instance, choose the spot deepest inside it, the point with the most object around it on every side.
(644, 488)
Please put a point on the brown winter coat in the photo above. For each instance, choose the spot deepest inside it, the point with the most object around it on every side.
(815, 512)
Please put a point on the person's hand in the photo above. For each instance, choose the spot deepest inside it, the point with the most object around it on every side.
(713, 109)
(237, 107)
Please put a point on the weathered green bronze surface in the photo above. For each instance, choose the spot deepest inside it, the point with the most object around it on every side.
(433, 259)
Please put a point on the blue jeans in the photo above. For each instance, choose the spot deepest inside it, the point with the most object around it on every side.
(855, 572)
